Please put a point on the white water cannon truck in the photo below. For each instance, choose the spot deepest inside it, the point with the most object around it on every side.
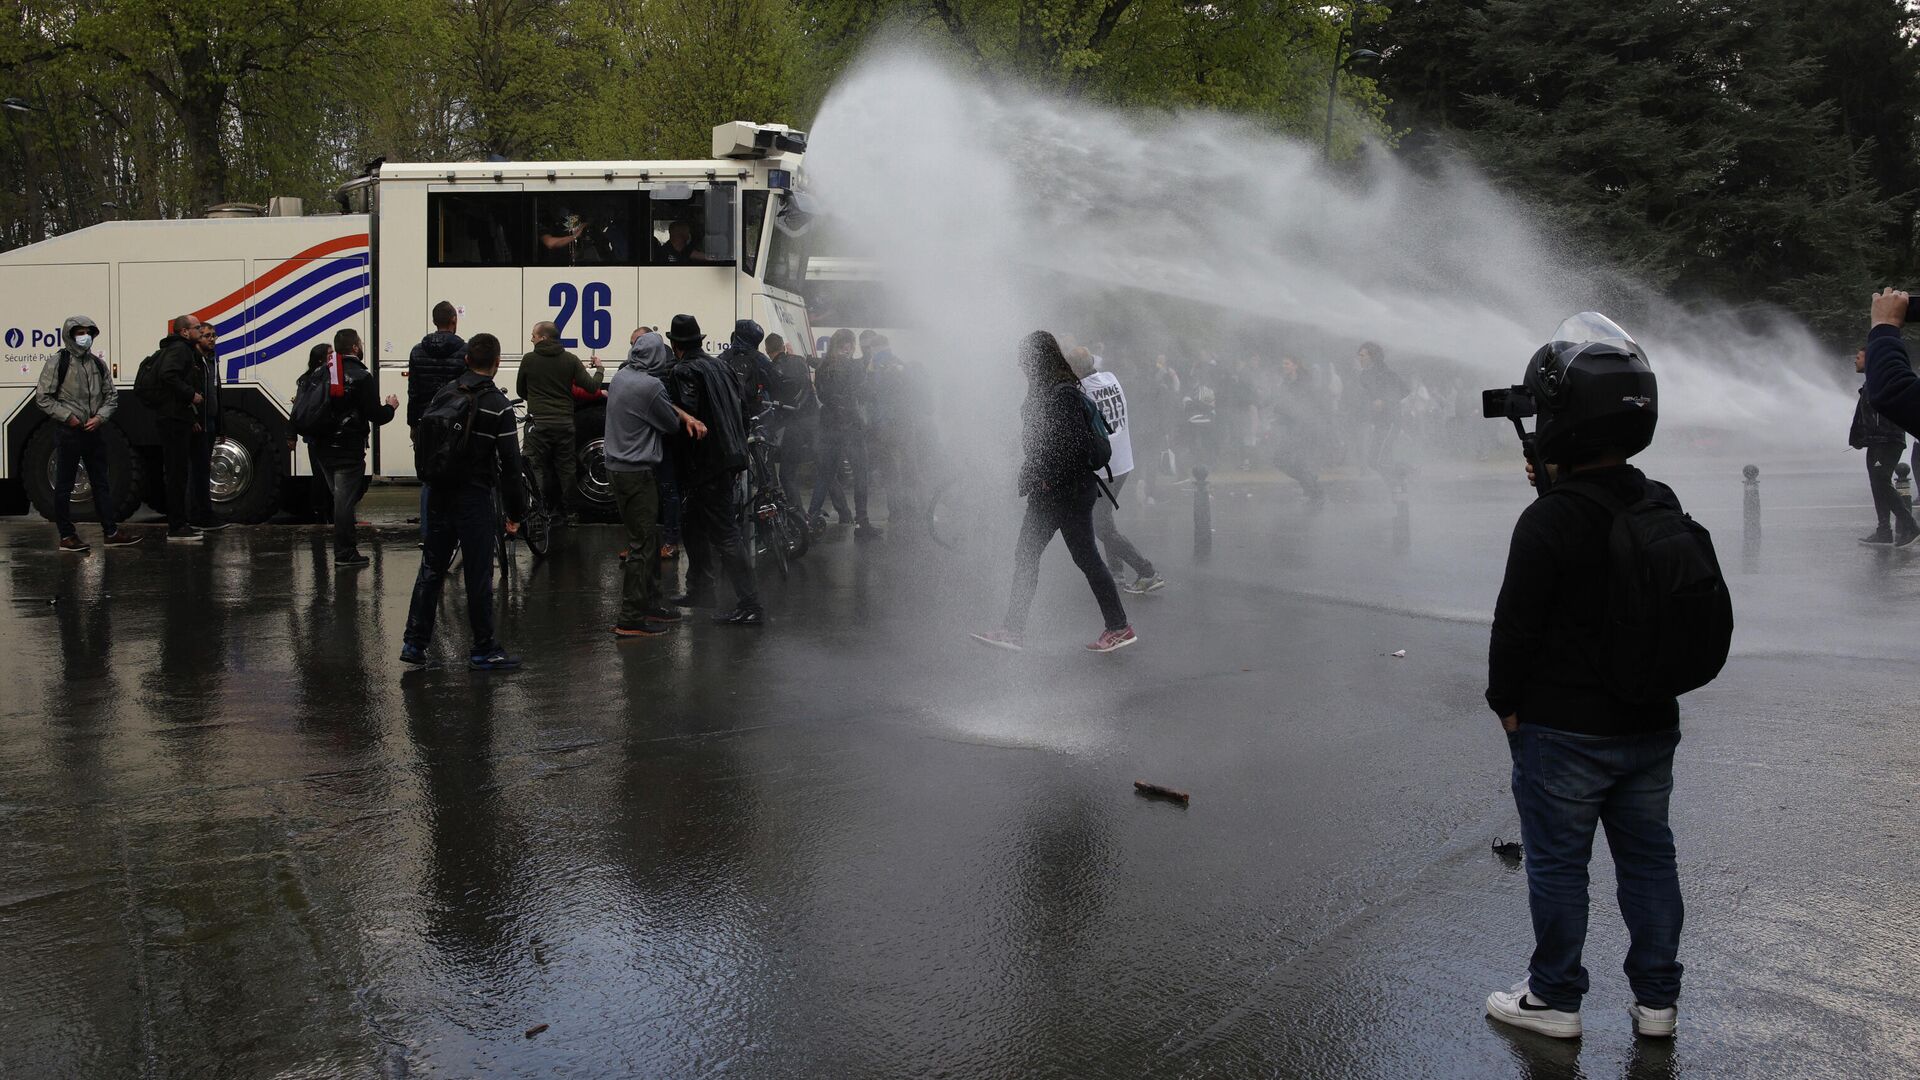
(597, 247)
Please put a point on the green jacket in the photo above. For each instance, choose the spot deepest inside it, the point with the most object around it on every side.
(548, 375)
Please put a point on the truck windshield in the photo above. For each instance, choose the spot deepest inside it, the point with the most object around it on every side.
(787, 256)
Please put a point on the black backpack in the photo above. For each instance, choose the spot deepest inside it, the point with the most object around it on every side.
(314, 415)
(443, 450)
(1099, 433)
(1669, 616)
(146, 381)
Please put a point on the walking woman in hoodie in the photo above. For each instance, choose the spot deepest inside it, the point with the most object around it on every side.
(76, 391)
(1060, 490)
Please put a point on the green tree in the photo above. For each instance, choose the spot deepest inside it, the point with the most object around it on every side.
(1683, 141)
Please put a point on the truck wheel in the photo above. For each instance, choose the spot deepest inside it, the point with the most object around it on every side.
(123, 474)
(247, 471)
(592, 483)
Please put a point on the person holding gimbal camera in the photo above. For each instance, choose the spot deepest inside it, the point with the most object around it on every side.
(1613, 605)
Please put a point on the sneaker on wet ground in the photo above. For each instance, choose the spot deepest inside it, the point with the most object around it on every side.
(638, 629)
(1905, 539)
(350, 560)
(1113, 640)
(413, 656)
(742, 616)
(493, 660)
(120, 538)
(866, 530)
(1000, 639)
(73, 545)
(691, 600)
(186, 534)
(662, 615)
(1654, 1023)
(213, 526)
(1144, 585)
(1879, 536)
(1519, 1008)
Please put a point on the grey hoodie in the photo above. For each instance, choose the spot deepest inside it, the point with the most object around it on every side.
(651, 354)
(88, 390)
(639, 415)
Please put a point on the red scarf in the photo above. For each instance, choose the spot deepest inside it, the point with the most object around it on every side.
(336, 374)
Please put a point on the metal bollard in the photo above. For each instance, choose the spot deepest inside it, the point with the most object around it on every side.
(1752, 473)
(1903, 484)
(1202, 515)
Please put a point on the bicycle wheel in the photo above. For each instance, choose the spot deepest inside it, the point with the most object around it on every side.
(947, 515)
(793, 531)
(536, 530)
(773, 543)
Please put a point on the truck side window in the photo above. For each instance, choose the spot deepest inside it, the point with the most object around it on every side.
(581, 228)
(478, 229)
(692, 224)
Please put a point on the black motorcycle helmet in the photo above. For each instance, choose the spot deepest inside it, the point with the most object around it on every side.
(1594, 392)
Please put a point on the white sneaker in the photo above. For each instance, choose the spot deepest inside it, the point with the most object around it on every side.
(1521, 1009)
(1654, 1023)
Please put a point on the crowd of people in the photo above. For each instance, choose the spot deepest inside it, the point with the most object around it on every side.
(1612, 606)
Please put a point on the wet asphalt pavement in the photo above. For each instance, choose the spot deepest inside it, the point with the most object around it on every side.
(236, 841)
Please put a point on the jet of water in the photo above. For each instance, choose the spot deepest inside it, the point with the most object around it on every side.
(994, 210)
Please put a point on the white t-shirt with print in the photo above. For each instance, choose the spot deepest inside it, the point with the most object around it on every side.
(1104, 388)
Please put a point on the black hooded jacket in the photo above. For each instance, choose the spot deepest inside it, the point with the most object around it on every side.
(360, 412)
(742, 357)
(437, 360)
(705, 387)
(1054, 435)
(182, 373)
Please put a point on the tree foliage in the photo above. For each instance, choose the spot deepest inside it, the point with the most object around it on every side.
(1758, 150)
(1703, 146)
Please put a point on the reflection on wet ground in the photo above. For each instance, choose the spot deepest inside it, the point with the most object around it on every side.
(239, 842)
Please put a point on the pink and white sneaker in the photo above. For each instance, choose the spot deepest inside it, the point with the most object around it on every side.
(1000, 639)
(1112, 640)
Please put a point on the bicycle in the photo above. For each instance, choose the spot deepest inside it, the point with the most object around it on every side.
(537, 529)
(779, 527)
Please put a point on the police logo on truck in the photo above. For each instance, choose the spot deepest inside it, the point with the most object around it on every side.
(15, 337)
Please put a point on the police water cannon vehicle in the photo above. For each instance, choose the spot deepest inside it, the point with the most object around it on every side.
(597, 247)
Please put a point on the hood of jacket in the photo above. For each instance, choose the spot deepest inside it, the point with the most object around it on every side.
(747, 335)
(443, 345)
(548, 347)
(66, 333)
(651, 354)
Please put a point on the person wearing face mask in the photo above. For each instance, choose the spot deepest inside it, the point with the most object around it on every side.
(76, 391)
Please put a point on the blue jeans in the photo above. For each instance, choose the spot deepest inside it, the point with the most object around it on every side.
(463, 516)
(1563, 784)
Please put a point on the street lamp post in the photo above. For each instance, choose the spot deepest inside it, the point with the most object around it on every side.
(1342, 58)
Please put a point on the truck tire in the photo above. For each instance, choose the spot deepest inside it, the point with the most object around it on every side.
(592, 484)
(124, 478)
(248, 468)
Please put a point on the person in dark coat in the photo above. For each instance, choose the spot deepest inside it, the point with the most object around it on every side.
(1059, 487)
(342, 454)
(842, 385)
(182, 410)
(1883, 441)
(438, 359)
(705, 389)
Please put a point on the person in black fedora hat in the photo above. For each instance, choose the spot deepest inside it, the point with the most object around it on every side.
(704, 387)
